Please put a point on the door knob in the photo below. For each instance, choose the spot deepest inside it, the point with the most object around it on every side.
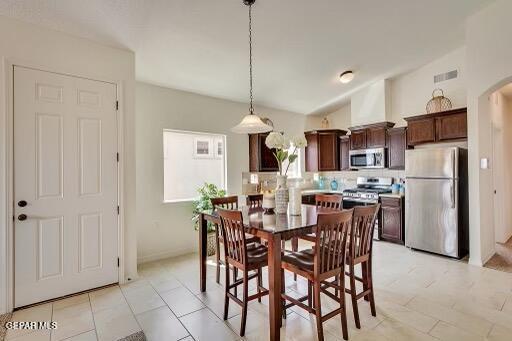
(22, 203)
(22, 217)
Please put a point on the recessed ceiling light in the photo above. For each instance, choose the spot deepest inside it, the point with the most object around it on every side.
(346, 77)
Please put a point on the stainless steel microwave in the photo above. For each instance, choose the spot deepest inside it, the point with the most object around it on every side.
(368, 158)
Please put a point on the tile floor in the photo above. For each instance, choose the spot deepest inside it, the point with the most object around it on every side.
(419, 297)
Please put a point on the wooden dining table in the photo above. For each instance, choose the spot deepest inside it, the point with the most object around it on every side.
(271, 227)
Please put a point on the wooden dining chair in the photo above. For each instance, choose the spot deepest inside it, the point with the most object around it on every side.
(318, 265)
(325, 202)
(229, 203)
(244, 257)
(255, 200)
(360, 252)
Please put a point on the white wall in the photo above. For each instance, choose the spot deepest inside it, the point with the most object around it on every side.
(341, 118)
(410, 92)
(371, 104)
(488, 68)
(166, 229)
(30, 45)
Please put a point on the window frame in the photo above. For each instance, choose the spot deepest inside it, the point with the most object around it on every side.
(216, 137)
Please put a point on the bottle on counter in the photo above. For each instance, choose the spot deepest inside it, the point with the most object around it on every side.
(334, 184)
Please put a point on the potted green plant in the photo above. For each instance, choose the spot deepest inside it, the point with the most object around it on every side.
(204, 203)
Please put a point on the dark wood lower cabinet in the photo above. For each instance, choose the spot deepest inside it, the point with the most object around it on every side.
(392, 217)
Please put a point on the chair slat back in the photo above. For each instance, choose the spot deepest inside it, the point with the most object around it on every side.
(332, 202)
(232, 225)
(228, 203)
(361, 240)
(255, 200)
(331, 240)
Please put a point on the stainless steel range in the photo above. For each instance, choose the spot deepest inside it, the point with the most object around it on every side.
(367, 193)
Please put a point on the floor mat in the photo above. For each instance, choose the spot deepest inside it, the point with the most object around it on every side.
(139, 336)
(3, 320)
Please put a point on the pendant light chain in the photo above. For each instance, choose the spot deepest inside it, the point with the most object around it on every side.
(251, 109)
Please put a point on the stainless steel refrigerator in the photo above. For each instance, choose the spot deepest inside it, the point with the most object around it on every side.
(436, 198)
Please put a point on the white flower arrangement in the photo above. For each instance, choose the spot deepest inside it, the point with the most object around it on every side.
(281, 144)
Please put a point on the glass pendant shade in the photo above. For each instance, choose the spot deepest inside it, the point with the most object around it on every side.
(251, 124)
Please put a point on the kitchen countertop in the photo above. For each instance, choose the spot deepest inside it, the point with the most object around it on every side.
(315, 191)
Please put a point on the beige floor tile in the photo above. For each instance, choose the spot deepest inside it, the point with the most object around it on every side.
(38, 313)
(182, 301)
(73, 300)
(499, 333)
(396, 331)
(37, 335)
(162, 285)
(368, 335)
(161, 324)
(447, 332)
(106, 298)
(72, 320)
(214, 300)
(205, 325)
(115, 323)
(407, 316)
(140, 282)
(494, 316)
(87, 336)
(143, 299)
(459, 319)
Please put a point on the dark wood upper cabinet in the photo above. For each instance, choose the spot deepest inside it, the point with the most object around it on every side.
(357, 139)
(344, 152)
(261, 158)
(322, 152)
(369, 136)
(439, 127)
(421, 131)
(392, 220)
(452, 127)
(397, 143)
(376, 137)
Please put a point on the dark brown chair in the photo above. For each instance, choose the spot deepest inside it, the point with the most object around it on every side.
(360, 252)
(255, 200)
(317, 265)
(325, 202)
(228, 203)
(243, 256)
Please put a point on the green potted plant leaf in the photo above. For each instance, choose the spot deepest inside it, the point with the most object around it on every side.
(203, 203)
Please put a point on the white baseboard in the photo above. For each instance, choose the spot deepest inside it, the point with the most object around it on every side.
(165, 254)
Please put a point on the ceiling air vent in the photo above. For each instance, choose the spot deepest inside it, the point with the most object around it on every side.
(446, 76)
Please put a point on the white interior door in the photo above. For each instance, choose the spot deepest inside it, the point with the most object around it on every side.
(65, 185)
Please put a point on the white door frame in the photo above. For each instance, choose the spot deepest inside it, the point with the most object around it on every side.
(8, 66)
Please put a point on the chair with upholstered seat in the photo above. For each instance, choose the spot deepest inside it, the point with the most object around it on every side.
(360, 252)
(325, 202)
(319, 264)
(244, 257)
(228, 203)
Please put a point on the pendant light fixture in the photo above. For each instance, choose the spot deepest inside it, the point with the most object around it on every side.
(251, 123)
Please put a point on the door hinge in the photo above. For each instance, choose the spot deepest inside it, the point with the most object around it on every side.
(117, 209)
(117, 261)
(117, 105)
(117, 157)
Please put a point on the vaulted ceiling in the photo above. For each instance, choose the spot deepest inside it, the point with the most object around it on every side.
(300, 46)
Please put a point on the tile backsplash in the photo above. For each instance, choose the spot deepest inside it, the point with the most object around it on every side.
(345, 179)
